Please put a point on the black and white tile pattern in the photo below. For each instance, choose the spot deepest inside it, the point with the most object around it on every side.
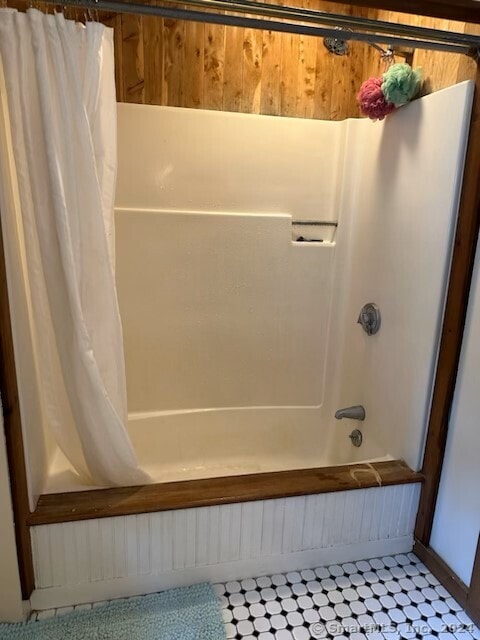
(389, 598)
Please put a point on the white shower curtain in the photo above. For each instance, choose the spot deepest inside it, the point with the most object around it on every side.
(59, 80)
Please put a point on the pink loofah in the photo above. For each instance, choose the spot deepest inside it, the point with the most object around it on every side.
(372, 101)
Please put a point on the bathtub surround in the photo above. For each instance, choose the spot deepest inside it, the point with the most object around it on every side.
(215, 297)
(79, 562)
(57, 210)
(251, 300)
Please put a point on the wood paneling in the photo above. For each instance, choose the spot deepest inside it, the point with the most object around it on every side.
(153, 57)
(102, 503)
(439, 69)
(177, 63)
(98, 559)
(133, 60)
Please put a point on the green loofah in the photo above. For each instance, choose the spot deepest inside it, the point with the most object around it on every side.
(401, 83)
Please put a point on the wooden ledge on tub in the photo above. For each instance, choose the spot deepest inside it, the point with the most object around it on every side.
(121, 501)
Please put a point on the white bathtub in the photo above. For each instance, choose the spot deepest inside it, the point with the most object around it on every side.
(215, 443)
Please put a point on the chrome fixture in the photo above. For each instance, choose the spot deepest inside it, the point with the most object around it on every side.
(387, 55)
(356, 412)
(337, 46)
(356, 437)
(370, 318)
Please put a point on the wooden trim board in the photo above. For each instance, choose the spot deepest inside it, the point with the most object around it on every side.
(473, 598)
(467, 597)
(442, 571)
(121, 501)
(13, 436)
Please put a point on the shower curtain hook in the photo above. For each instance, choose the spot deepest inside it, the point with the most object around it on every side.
(388, 57)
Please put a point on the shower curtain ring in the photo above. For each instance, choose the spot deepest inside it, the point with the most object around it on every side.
(388, 57)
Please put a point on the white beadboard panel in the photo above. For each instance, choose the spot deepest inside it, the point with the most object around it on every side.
(112, 557)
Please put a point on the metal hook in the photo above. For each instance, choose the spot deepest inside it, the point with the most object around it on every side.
(387, 55)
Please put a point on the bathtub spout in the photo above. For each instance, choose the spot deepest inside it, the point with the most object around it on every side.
(353, 413)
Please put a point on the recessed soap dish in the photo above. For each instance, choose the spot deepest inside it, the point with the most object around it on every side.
(311, 231)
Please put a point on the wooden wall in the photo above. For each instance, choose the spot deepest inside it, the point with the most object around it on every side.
(185, 64)
(439, 70)
(177, 63)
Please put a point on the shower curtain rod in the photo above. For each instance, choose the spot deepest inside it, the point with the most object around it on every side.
(339, 27)
(333, 19)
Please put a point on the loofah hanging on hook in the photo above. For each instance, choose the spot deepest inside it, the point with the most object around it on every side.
(372, 100)
(401, 83)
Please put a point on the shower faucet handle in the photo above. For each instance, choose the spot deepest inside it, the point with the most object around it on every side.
(356, 412)
(370, 318)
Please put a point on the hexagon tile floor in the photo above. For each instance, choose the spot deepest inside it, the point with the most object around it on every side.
(385, 598)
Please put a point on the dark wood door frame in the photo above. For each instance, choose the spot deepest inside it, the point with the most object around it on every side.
(12, 425)
(473, 597)
(467, 597)
(450, 345)
(448, 360)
